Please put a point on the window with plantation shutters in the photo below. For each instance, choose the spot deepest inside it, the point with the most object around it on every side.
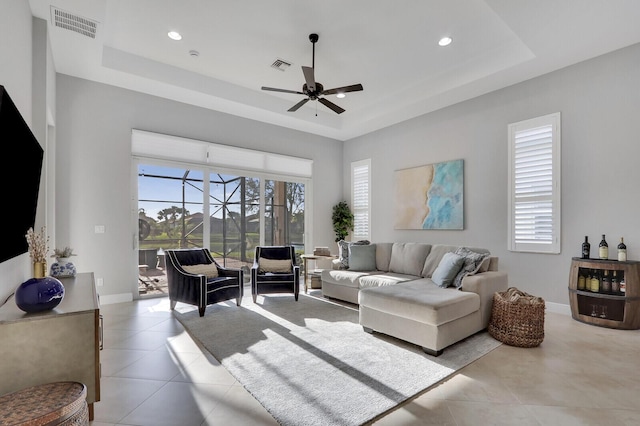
(534, 185)
(361, 199)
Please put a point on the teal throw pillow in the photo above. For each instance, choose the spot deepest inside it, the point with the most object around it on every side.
(362, 257)
(447, 269)
(343, 251)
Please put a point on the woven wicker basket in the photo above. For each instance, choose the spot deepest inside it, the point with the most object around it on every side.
(517, 318)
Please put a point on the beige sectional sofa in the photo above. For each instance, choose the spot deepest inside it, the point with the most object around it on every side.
(398, 297)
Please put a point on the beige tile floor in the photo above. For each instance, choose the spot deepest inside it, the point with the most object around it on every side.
(153, 373)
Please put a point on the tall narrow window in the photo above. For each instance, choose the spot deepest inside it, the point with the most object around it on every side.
(534, 185)
(361, 199)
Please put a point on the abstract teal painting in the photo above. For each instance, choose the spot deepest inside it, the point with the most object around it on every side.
(430, 196)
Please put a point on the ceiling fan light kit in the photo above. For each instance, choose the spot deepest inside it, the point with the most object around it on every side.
(314, 90)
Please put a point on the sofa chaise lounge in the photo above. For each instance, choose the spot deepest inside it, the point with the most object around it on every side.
(398, 297)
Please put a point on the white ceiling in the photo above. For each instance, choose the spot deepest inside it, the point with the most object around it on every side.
(390, 47)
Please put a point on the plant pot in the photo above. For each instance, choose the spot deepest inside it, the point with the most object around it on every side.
(63, 267)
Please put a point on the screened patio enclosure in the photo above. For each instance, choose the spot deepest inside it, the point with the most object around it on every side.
(230, 215)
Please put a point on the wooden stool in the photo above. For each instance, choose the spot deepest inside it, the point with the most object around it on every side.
(59, 403)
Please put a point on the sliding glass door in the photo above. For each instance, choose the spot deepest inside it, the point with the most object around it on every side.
(180, 207)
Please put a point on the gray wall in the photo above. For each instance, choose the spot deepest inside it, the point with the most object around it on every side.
(93, 186)
(17, 54)
(599, 102)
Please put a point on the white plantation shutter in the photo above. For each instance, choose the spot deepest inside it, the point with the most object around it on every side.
(361, 199)
(534, 190)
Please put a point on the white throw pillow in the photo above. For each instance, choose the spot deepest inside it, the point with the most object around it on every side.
(280, 266)
(209, 270)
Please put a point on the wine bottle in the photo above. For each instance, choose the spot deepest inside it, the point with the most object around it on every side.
(581, 280)
(595, 282)
(615, 285)
(606, 282)
(622, 251)
(623, 285)
(586, 248)
(603, 249)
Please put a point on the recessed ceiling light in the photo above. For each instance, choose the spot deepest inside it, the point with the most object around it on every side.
(445, 41)
(340, 95)
(174, 35)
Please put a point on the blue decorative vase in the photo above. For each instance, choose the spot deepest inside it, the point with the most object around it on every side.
(62, 267)
(39, 294)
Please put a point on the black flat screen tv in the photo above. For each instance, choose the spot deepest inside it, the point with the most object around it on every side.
(20, 178)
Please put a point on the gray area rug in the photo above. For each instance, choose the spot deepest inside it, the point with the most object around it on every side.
(310, 363)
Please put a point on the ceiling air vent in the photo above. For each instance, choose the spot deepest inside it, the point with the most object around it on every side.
(69, 21)
(280, 64)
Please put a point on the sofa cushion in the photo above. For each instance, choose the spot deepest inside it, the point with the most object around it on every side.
(408, 258)
(209, 270)
(342, 277)
(362, 257)
(384, 278)
(447, 269)
(383, 256)
(421, 300)
(472, 263)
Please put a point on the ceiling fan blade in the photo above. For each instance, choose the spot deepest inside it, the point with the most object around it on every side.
(345, 89)
(298, 105)
(309, 78)
(273, 89)
(331, 105)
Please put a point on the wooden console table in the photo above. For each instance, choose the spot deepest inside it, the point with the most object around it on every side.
(59, 345)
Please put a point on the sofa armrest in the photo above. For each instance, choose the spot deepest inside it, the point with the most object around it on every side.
(485, 285)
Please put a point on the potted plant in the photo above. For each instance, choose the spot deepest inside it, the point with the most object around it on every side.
(63, 267)
(62, 255)
(342, 220)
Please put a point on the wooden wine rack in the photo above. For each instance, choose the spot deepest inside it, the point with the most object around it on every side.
(603, 309)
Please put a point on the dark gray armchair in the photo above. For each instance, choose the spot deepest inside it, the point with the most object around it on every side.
(198, 286)
(275, 270)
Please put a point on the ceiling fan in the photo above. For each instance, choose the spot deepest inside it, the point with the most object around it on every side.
(312, 89)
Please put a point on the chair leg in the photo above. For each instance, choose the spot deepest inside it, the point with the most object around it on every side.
(238, 299)
(201, 310)
(254, 296)
(296, 295)
(172, 304)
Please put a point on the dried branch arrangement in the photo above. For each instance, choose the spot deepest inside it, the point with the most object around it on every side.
(38, 245)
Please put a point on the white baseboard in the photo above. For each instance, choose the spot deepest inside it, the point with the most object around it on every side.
(109, 299)
(558, 308)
